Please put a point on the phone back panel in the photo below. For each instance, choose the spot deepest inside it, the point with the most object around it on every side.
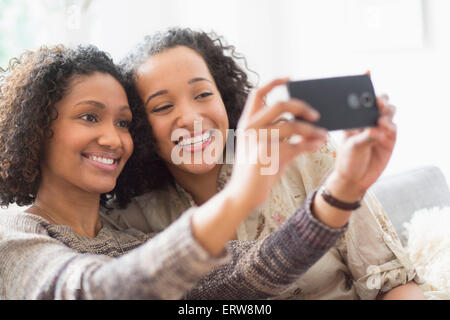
(343, 102)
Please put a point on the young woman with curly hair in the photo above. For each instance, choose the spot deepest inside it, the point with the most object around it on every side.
(184, 77)
(66, 129)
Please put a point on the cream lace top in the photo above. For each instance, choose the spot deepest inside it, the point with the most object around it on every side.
(367, 259)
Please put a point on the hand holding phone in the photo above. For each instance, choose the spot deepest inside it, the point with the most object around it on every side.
(343, 102)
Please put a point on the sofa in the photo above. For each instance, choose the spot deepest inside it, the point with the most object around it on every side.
(404, 193)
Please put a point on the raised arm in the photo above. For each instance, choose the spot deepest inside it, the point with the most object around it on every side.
(251, 181)
(266, 268)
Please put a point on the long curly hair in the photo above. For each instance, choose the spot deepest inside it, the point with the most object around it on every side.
(30, 87)
(146, 171)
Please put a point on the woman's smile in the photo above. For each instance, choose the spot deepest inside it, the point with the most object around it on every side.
(196, 143)
(106, 162)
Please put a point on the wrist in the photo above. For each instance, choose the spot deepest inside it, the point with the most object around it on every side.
(236, 200)
(329, 215)
(344, 189)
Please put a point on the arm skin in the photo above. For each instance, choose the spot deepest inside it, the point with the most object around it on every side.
(408, 291)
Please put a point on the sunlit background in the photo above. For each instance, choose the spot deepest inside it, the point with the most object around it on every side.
(404, 43)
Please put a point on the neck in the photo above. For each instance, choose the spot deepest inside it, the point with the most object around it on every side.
(202, 187)
(71, 206)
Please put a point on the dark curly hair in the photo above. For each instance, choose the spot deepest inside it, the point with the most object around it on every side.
(146, 170)
(30, 87)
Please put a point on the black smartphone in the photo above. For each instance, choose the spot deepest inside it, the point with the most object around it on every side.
(343, 102)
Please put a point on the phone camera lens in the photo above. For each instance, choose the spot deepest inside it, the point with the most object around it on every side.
(367, 100)
(353, 101)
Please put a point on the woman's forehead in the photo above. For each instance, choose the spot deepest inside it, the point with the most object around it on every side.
(175, 62)
(94, 82)
(98, 86)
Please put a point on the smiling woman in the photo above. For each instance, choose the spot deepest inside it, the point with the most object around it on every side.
(50, 92)
(66, 132)
(179, 98)
(68, 114)
(89, 148)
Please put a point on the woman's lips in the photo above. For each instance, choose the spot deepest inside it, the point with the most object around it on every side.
(190, 139)
(196, 143)
(106, 163)
(198, 147)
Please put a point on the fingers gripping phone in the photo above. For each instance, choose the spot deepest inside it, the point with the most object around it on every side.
(343, 102)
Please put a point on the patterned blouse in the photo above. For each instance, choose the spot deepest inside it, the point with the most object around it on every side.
(369, 258)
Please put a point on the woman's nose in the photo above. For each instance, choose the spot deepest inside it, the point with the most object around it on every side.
(109, 137)
(188, 117)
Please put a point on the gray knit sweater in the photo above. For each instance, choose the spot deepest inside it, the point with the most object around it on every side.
(39, 260)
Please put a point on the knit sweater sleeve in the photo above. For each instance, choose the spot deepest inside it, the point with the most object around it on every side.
(265, 268)
(34, 265)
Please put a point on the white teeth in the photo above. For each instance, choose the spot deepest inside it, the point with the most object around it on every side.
(196, 140)
(102, 160)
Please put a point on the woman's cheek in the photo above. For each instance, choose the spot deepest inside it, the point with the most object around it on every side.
(130, 146)
(158, 133)
(164, 150)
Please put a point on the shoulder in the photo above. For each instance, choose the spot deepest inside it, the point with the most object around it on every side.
(21, 223)
(151, 212)
(23, 236)
(154, 200)
(162, 207)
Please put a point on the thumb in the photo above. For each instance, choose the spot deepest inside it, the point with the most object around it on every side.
(255, 100)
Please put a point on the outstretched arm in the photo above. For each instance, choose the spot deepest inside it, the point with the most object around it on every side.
(265, 268)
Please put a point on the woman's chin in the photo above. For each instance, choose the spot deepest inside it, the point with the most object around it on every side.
(100, 187)
(198, 169)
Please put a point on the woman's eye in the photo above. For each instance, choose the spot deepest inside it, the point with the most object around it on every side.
(89, 117)
(162, 108)
(124, 124)
(204, 95)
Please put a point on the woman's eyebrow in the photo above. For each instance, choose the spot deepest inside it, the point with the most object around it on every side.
(100, 105)
(198, 79)
(158, 93)
(161, 92)
(92, 103)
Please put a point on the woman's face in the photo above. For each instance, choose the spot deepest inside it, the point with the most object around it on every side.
(179, 92)
(91, 142)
